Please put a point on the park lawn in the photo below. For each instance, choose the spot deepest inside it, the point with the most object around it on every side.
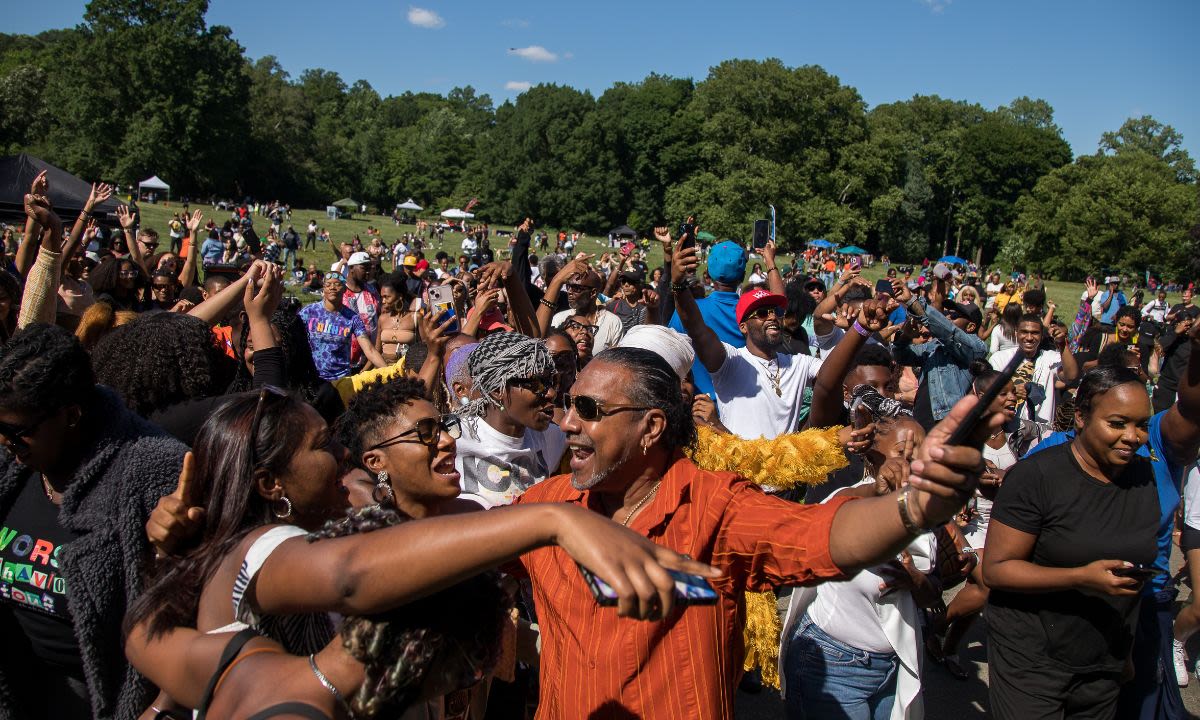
(1063, 294)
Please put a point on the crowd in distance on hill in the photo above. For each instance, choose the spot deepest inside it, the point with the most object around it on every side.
(464, 484)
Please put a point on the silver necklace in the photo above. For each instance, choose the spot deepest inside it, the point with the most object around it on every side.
(325, 683)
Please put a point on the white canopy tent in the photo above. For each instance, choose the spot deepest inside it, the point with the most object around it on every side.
(408, 205)
(456, 214)
(154, 183)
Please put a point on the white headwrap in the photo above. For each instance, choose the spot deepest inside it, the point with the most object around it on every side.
(672, 346)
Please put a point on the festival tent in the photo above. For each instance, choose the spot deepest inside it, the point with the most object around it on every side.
(623, 231)
(155, 183)
(953, 260)
(67, 192)
(346, 203)
(821, 243)
(705, 235)
(456, 214)
(408, 205)
(852, 250)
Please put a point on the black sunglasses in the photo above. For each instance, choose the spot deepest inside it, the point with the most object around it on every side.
(589, 408)
(577, 287)
(267, 390)
(428, 431)
(17, 435)
(763, 313)
(537, 385)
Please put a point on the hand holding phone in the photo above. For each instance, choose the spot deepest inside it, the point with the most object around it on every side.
(689, 589)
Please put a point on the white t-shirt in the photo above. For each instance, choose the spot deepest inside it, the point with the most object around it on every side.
(1191, 497)
(746, 397)
(994, 288)
(851, 610)
(497, 468)
(608, 332)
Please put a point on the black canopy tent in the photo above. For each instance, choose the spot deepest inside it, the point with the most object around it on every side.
(67, 192)
(623, 231)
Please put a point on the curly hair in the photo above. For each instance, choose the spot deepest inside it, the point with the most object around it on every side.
(371, 409)
(105, 277)
(161, 359)
(458, 628)
(44, 368)
(298, 365)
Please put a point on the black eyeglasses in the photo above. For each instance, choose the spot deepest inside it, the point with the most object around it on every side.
(537, 385)
(18, 435)
(589, 408)
(150, 246)
(267, 390)
(156, 287)
(576, 325)
(577, 288)
(763, 313)
(428, 431)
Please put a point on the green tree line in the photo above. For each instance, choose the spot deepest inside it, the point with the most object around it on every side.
(147, 86)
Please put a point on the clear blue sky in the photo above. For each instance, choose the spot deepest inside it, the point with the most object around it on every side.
(1097, 62)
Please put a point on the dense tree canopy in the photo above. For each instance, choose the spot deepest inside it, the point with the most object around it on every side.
(146, 86)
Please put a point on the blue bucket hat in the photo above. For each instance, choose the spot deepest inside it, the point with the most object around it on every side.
(727, 263)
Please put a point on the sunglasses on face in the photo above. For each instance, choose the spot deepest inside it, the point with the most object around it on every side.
(589, 408)
(427, 431)
(577, 288)
(763, 313)
(151, 246)
(18, 435)
(538, 385)
(162, 288)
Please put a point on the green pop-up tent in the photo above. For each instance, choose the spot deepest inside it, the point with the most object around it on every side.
(346, 203)
(851, 250)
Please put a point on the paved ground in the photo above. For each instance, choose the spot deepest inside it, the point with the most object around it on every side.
(949, 699)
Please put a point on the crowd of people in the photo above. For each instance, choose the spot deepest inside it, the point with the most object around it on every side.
(475, 484)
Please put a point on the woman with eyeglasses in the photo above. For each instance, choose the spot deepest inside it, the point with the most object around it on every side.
(79, 474)
(122, 280)
(510, 441)
(267, 468)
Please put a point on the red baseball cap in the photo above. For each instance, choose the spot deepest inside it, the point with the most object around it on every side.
(757, 298)
(421, 265)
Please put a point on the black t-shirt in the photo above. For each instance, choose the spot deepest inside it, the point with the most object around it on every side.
(1179, 310)
(1077, 519)
(31, 541)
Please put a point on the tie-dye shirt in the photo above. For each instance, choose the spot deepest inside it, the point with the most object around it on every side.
(330, 336)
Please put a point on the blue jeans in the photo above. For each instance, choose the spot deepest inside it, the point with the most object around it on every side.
(830, 679)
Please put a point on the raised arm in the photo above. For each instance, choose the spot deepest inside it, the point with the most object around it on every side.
(128, 221)
(520, 308)
(39, 301)
(28, 250)
(218, 306)
(774, 277)
(187, 274)
(98, 194)
(1181, 424)
(822, 325)
(709, 348)
(827, 402)
(545, 310)
(435, 338)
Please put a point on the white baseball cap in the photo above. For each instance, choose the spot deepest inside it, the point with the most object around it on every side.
(359, 258)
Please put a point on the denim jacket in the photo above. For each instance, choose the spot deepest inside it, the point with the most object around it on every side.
(945, 360)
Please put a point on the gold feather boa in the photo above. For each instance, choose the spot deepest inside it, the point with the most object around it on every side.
(784, 463)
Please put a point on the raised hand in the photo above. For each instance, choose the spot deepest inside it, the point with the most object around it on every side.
(193, 223)
(486, 300)
(125, 217)
(264, 292)
(40, 185)
(1092, 289)
(684, 260)
(768, 253)
(945, 476)
(100, 192)
(874, 314)
(434, 335)
(177, 517)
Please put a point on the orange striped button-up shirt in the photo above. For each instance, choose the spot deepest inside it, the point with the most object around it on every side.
(596, 665)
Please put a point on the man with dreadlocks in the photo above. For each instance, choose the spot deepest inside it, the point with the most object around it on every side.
(510, 441)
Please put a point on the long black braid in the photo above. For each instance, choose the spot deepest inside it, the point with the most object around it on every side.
(458, 628)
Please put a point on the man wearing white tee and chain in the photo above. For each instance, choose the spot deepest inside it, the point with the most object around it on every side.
(758, 388)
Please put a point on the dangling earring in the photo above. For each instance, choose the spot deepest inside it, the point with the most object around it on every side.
(286, 513)
(645, 448)
(382, 493)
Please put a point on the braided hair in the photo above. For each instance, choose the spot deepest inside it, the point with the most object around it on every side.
(502, 357)
(458, 628)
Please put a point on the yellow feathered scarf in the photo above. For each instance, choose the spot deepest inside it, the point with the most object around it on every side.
(786, 462)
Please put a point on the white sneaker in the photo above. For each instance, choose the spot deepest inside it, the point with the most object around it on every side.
(1180, 661)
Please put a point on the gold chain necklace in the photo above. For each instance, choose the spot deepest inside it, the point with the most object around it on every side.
(641, 502)
(774, 377)
(49, 490)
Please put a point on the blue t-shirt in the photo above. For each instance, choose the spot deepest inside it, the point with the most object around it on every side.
(1168, 477)
(718, 309)
(330, 335)
(1109, 316)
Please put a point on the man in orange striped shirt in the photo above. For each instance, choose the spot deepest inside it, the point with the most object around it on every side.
(626, 425)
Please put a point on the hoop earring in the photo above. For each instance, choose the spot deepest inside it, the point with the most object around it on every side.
(382, 492)
(286, 513)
